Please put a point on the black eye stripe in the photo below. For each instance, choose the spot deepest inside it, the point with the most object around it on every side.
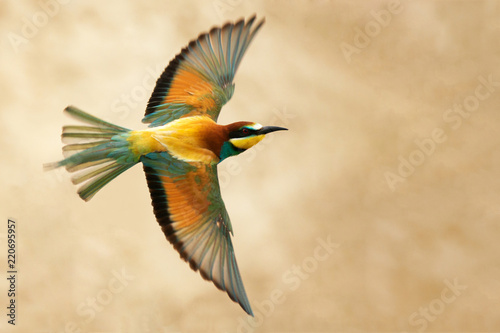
(242, 132)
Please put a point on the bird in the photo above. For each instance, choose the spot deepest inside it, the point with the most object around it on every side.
(179, 151)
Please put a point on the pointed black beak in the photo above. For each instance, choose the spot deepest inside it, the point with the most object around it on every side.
(269, 129)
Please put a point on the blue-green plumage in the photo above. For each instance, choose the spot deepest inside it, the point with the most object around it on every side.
(102, 160)
(228, 150)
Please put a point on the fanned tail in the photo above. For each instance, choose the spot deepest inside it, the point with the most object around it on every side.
(99, 152)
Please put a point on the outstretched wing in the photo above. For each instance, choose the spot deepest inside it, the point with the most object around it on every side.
(199, 80)
(189, 208)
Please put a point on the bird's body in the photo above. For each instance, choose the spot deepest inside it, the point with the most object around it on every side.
(191, 139)
(179, 151)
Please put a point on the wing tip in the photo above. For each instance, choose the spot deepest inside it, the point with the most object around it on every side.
(240, 21)
(240, 298)
(156, 101)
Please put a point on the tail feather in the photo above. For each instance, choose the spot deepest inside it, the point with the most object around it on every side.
(90, 119)
(71, 149)
(89, 147)
(83, 129)
(92, 172)
(86, 165)
(88, 135)
(89, 189)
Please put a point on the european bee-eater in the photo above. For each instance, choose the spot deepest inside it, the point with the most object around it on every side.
(179, 151)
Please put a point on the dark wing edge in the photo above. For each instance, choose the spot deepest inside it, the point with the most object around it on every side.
(203, 246)
(214, 58)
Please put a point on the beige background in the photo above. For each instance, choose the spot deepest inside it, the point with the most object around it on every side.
(352, 120)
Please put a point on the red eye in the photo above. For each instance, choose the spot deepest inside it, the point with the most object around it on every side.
(245, 130)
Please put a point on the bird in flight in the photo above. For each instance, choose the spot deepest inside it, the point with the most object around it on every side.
(179, 151)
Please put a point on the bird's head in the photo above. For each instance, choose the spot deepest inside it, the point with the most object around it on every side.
(244, 135)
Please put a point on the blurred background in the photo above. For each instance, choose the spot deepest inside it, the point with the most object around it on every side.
(377, 211)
